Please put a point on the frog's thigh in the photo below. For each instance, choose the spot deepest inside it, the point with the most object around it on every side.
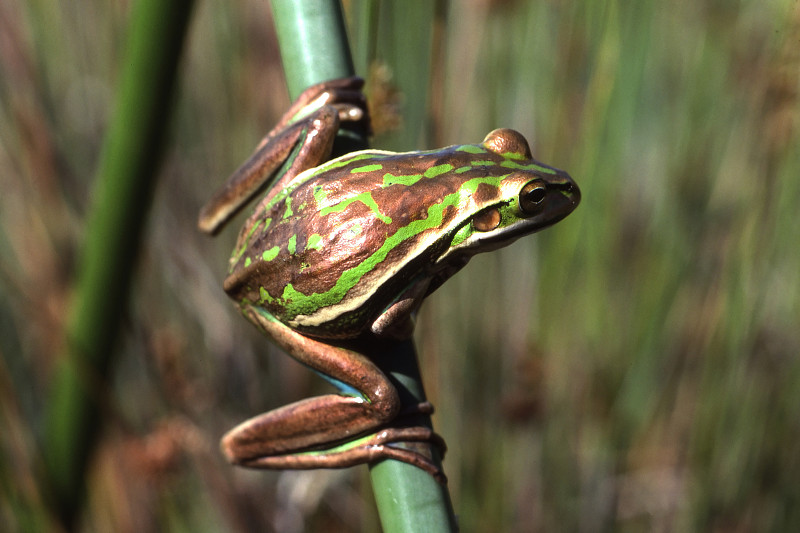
(315, 421)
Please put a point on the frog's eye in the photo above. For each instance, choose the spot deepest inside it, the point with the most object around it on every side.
(486, 220)
(532, 197)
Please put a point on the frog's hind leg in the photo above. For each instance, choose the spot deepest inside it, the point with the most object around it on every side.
(364, 450)
(334, 430)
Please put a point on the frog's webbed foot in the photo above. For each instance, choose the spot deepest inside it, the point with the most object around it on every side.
(422, 408)
(406, 444)
(417, 457)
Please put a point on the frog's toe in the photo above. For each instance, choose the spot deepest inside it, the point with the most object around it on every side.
(349, 112)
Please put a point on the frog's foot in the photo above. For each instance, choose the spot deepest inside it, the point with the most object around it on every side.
(329, 92)
(343, 94)
(349, 112)
(384, 444)
(422, 408)
(409, 435)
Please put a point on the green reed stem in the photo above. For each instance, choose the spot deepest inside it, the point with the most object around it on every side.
(123, 189)
(314, 48)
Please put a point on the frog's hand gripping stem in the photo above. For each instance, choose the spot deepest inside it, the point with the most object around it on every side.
(313, 120)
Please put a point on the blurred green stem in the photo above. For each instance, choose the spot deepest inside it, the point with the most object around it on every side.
(314, 48)
(124, 183)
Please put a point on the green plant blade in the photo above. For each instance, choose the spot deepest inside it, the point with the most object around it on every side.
(124, 184)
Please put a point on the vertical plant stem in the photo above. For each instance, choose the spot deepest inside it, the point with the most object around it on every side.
(314, 48)
(313, 42)
(409, 499)
(123, 191)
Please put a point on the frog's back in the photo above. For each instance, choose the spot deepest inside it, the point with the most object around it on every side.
(358, 227)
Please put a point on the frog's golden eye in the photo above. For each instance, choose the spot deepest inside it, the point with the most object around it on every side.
(532, 197)
(487, 220)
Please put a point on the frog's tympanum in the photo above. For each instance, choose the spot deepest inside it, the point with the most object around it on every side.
(341, 251)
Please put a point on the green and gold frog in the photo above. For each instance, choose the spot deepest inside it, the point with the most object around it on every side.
(340, 253)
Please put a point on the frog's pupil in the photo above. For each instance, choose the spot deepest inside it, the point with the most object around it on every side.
(532, 197)
(536, 195)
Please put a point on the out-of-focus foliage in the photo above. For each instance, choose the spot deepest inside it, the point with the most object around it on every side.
(636, 367)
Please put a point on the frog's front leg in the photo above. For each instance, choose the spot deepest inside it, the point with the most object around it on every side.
(334, 430)
(308, 129)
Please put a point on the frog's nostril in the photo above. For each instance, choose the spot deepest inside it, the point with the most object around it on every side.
(571, 190)
(575, 193)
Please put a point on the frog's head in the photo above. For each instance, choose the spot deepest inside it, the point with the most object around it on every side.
(531, 197)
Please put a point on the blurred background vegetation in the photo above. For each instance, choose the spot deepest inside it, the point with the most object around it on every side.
(634, 368)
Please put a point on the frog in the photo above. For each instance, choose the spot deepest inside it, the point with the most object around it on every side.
(338, 255)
